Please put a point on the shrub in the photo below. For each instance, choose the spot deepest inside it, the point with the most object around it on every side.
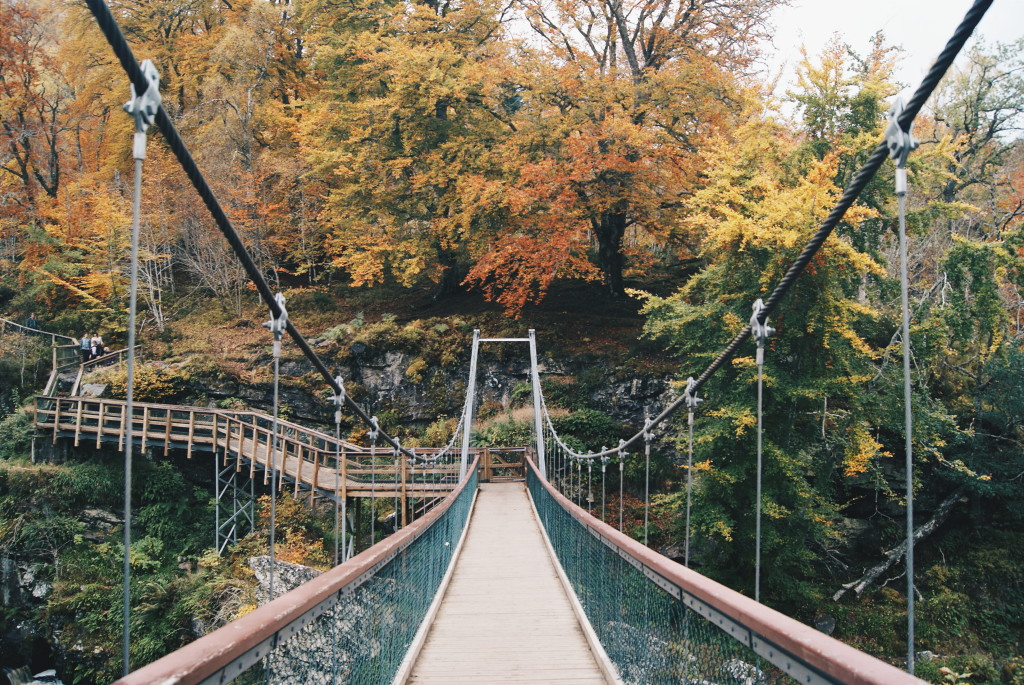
(151, 384)
(507, 433)
(16, 433)
(592, 428)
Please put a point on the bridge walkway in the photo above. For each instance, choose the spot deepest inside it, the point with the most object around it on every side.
(312, 461)
(505, 615)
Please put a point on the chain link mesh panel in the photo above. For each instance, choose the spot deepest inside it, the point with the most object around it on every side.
(364, 632)
(648, 631)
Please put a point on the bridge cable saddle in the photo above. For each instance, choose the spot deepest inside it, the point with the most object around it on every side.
(143, 107)
(900, 143)
(277, 324)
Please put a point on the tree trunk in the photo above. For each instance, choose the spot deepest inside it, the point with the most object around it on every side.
(451, 276)
(609, 229)
(899, 551)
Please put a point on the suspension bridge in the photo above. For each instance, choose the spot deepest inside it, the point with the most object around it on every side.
(486, 582)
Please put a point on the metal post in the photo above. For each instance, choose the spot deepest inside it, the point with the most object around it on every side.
(216, 506)
(470, 399)
(535, 377)
(622, 466)
(648, 438)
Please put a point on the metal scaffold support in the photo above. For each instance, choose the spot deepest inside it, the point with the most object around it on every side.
(235, 509)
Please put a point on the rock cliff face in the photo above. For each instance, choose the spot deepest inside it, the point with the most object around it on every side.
(287, 576)
(383, 382)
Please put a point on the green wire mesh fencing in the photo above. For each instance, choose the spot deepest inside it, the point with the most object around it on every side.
(643, 622)
(364, 636)
(334, 630)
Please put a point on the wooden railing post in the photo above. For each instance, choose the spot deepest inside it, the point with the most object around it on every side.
(99, 424)
(191, 432)
(121, 437)
(343, 470)
(167, 432)
(56, 419)
(145, 426)
(316, 475)
(78, 421)
(255, 454)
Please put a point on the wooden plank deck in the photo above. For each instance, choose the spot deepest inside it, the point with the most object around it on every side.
(505, 617)
(243, 438)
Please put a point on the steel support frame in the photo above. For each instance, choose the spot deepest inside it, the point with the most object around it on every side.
(471, 398)
(235, 508)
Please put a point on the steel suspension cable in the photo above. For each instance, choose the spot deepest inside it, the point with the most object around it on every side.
(761, 331)
(908, 418)
(373, 480)
(276, 325)
(622, 469)
(339, 402)
(142, 108)
(112, 32)
(648, 438)
(691, 403)
(901, 144)
(590, 486)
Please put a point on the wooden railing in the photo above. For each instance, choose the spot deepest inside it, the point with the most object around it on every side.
(7, 324)
(65, 357)
(115, 357)
(306, 459)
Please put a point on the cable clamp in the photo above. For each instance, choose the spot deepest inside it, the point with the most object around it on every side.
(648, 430)
(375, 432)
(339, 398)
(277, 324)
(690, 394)
(899, 142)
(143, 108)
(760, 330)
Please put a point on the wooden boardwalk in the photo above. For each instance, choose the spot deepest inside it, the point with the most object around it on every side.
(505, 617)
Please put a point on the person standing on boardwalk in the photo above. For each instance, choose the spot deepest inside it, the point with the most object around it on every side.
(86, 347)
(97, 346)
(32, 322)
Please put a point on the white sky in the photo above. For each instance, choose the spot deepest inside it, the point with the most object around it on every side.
(921, 27)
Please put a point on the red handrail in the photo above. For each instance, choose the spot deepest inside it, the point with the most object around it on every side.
(216, 652)
(826, 654)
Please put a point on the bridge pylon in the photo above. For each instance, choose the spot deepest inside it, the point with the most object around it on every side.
(471, 397)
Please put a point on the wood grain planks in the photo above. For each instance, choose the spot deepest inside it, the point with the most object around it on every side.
(505, 617)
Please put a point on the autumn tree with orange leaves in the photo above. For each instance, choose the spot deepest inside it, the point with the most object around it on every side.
(620, 100)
